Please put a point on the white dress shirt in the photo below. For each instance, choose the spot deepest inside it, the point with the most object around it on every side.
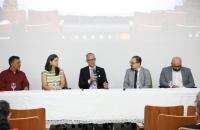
(138, 77)
(93, 84)
(177, 78)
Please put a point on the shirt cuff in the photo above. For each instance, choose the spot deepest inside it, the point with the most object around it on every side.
(89, 81)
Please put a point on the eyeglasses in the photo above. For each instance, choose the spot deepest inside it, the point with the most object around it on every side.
(91, 59)
(132, 63)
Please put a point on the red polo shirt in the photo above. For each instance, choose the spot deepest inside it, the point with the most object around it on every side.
(7, 77)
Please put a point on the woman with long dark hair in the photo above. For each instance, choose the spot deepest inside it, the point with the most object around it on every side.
(53, 78)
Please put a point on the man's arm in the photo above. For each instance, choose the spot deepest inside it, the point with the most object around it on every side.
(25, 83)
(126, 81)
(148, 80)
(82, 82)
(163, 82)
(104, 79)
(104, 76)
(2, 83)
(191, 83)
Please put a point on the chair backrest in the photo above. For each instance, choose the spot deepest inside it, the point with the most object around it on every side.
(39, 112)
(29, 123)
(151, 114)
(171, 122)
(191, 110)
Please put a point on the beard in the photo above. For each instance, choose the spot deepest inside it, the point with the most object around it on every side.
(176, 69)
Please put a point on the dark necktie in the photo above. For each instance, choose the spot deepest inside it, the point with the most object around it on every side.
(135, 79)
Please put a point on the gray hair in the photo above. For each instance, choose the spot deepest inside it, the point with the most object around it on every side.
(88, 54)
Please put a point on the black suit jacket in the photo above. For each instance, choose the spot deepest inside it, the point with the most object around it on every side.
(85, 76)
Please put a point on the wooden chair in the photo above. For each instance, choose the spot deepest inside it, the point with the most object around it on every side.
(171, 122)
(151, 114)
(40, 113)
(191, 110)
(29, 123)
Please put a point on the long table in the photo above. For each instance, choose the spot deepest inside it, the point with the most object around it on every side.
(98, 106)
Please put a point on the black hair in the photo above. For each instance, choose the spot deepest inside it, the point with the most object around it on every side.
(4, 108)
(12, 59)
(4, 112)
(48, 66)
(138, 59)
(4, 123)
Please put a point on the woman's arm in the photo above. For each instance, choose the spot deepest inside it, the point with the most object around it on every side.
(44, 82)
(62, 80)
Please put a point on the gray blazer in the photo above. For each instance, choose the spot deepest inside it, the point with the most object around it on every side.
(166, 77)
(144, 78)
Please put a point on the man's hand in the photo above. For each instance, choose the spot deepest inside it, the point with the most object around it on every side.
(105, 85)
(26, 88)
(93, 78)
(175, 86)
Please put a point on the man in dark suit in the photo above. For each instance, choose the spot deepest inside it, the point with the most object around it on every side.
(176, 76)
(92, 76)
(197, 125)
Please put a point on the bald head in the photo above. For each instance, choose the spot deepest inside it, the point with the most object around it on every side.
(176, 63)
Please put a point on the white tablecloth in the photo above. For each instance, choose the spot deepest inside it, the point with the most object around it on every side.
(98, 106)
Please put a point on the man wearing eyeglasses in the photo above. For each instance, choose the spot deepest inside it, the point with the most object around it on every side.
(176, 76)
(92, 76)
(137, 76)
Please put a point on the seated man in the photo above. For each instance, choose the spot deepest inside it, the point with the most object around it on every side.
(176, 76)
(197, 125)
(92, 76)
(12, 78)
(137, 76)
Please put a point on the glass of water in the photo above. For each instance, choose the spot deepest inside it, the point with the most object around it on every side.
(13, 86)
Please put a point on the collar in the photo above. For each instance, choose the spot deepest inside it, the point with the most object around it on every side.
(92, 68)
(176, 71)
(139, 69)
(9, 69)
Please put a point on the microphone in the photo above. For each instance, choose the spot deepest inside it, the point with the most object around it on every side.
(94, 71)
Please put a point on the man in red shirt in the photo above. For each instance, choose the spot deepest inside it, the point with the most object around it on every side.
(12, 78)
